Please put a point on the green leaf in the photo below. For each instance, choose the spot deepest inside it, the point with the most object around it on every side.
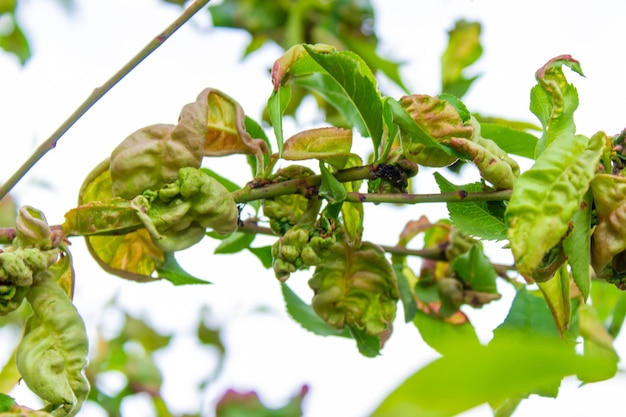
(330, 188)
(443, 336)
(6, 403)
(476, 271)
(553, 100)
(577, 246)
(474, 374)
(463, 50)
(172, 271)
(598, 345)
(547, 195)
(359, 85)
(276, 105)
(368, 345)
(404, 288)
(304, 315)
(14, 41)
(511, 140)
(556, 292)
(264, 253)
(234, 243)
(330, 144)
(477, 218)
(529, 315)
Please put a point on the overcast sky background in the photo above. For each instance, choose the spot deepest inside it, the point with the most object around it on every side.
(75, 53)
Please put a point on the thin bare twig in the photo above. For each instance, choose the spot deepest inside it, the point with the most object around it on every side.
(98, 93)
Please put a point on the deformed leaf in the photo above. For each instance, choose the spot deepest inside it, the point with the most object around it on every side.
(547, 195)
(226, 132)
(439, 120)
(357, 288)
(609, 236)
(177, 215)
(553, 100)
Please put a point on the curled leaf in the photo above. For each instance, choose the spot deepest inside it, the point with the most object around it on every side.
(32, 229)
(553, 100)
(494, 164)
(53, 352)
(546, 197)
(357, 288)
(177, 215)
(225, 128)
(440, 120)
(609, 237)
(151, 157)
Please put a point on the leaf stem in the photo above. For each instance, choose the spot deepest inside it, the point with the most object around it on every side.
(98, 93)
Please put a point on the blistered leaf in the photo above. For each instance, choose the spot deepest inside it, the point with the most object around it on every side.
(494, 164)
(547, 195)
(438, 120)
(177, 215)
(31, 228)
(52, 354)
(150, 158)
(463, 50)
(356, 287)
(609, 236)
(478, 218)
(553, 100)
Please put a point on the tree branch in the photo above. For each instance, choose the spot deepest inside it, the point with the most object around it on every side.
(98, 93)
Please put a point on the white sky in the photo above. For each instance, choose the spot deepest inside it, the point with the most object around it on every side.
(267, 351)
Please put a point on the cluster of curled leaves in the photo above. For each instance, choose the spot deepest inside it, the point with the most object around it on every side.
(52, 355)
(156, 195)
